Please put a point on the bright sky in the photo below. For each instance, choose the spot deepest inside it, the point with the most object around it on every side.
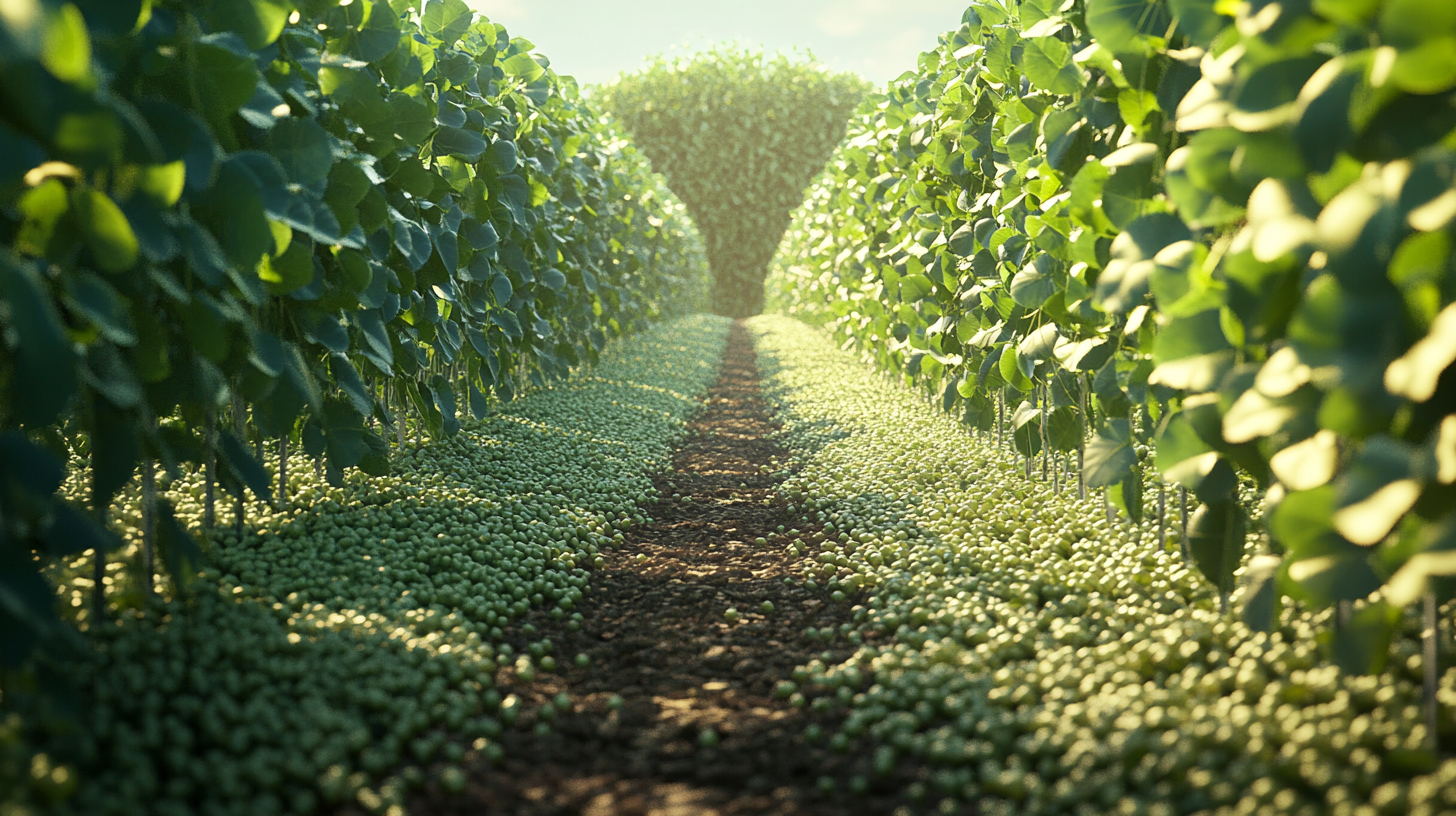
(595, 40)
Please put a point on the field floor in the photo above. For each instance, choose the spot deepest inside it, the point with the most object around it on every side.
(699, 729)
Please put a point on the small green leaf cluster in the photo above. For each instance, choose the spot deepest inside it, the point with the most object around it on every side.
(739, 135)
(1226, 228)
(336, 645)
(1028, 656)
(265, 218)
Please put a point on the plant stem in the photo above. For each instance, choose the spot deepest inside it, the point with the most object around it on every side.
(1430, 653)
(209, 496)
(149, 525)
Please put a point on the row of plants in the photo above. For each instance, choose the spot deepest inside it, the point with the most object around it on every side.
(739, 135)
(234, 228)
(1015, 651)
(1204, 246)
(364, 642)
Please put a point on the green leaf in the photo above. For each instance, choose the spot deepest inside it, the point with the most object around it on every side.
(67, 50)
(1036, 282)
(1127, 496)
(289, 272)
(1182, 455)
(304, 149)
(1110, 458)
(1015, 372)
(1124, 25)
(44, 364)
(94, 298)
(446, 20)
(523, 67)
(105, 229)
(1414, 375)
(1362, 645)
(1216, 542)
(258, 22)
(1124, 284)
(459, 142)
(1048, 64)
(500, 286)
(225, 74)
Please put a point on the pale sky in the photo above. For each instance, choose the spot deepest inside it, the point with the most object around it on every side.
(595, 40)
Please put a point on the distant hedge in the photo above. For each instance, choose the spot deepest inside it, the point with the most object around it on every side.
(739, 136)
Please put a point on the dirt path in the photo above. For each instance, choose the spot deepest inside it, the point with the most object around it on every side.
(656, 636)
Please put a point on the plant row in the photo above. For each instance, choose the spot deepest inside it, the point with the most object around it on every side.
(1206, 243)
(1016, 652)
(365, 641)
(739, 136)
(302, 223)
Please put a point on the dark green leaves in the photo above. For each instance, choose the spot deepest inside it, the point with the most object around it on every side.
(1122, 25)
(1216, 540)
(460, 142)
(42, 364)
(304, 149)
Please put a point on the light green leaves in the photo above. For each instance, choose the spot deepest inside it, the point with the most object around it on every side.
(67, 48)
(1415, 373)
(105, 229)
(445, 20)
(1048, 64)
(1110, 457)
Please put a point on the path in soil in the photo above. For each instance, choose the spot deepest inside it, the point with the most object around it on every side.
(656, 636)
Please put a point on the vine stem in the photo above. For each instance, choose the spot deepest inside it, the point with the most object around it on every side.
(149, 525)
(209, 469)
(282, 498)
(1430, 652)
(1183, 539)
(1082, 446)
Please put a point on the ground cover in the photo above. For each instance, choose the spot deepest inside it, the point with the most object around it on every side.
(1027, 655)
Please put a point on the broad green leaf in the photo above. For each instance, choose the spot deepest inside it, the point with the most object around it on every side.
(1048, 64)
(1415, 374)
(1410, 582)
(258, 22)
(446, 20)
(105, 229)
(1370, 520)
(1123, 25)
(1035, 283)
(1110, 457)
(1216, 541)
(1182, 455)
(459, 142)
(303, 148)
(290, 271)
(1308, 464)
(44, 363)
(67, 50)
(1125, 282)
(1362, 645)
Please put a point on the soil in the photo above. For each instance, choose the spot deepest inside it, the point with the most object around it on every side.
(656, 634)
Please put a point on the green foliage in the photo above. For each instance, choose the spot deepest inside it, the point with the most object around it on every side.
(739, 136)
(1250, 219)
(272, 213)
